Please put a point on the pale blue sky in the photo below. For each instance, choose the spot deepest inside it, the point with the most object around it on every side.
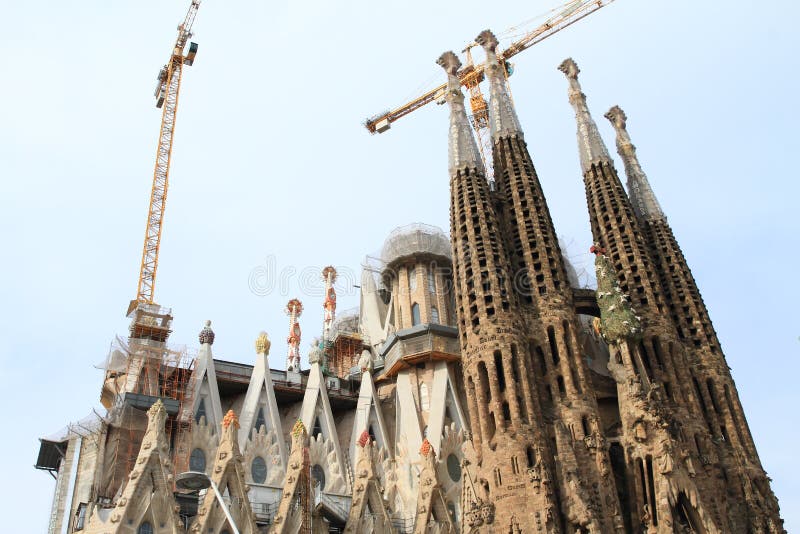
(271, 161)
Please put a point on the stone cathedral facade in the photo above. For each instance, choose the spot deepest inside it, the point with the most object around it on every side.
(477, 389)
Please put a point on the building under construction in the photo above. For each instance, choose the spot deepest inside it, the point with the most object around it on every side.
(477, 388)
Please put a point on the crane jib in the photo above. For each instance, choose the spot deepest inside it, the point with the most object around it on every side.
(166, 93)
(569, 13)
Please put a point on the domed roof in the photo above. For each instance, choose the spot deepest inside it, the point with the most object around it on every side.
(415, 239)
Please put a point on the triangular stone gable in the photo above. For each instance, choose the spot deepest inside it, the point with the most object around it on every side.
(368, 511)
(444, 399)
(206, 391)
(409, 428)
(294, 509)
(325, 450)
(368, 412)
(372, 310)
(431, 501)
(147, 497)
(228, 475)
(260, 406)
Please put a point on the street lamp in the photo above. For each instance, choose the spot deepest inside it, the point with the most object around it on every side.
(195, 481)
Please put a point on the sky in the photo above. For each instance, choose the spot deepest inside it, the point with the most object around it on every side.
(274, 177)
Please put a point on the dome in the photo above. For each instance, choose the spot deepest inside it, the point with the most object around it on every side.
(415, 239)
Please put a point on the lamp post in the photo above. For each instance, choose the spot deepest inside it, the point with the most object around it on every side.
(195, 481)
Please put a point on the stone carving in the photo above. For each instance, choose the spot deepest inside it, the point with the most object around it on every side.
(152, 477)
(322, 453)
(431, 501)
(295, 498)
(368, 494)
(264, 444)
(228, 473)
(263, 343)
(206, 334)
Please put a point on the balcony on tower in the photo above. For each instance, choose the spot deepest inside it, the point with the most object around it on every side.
(417, 272)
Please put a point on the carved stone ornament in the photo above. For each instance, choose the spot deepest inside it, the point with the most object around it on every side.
(206, 335)
(263, 343)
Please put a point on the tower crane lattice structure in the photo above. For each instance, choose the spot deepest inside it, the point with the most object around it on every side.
(471, 75)
(166, 93)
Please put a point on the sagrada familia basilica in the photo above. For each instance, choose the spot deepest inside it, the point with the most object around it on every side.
(477, 389)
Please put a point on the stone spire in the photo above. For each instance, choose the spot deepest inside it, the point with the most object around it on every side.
(463, 150)
(492, 332)
(503, 118)
(590, 144)
(644, 201)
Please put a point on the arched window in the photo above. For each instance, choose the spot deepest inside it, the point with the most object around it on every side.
(412, 279)
(415, 314)
(483, 381)
(260, 421)
(201, 411)
(453, 467)
(316, 429)
(498, 366)
(551, 337)
(434, 315)
(145, 528)
(585, 425)
(561, 389)
(498, 478)
(258, 470)
(197, 461)
(712, 393)
(318, 474)
(531, 456)
(431, 279)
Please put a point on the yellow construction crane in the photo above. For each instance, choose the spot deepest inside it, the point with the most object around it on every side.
(166, 93)
(472, 75)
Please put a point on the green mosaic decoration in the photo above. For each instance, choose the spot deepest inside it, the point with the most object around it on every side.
(618, 321)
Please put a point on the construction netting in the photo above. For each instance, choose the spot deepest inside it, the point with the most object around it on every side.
(346, 322)
(139, 372)
(413, 239)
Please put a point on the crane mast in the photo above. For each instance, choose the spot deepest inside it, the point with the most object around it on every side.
(472, 75)
(166, 93)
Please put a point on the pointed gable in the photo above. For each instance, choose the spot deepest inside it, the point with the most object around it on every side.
(228, 476)
(431, 501)
(294, 509)
(147, 497)
(368, 411)
(444, 401)
(206, 392)
(368, 511)
(261, 432)
(324, 449)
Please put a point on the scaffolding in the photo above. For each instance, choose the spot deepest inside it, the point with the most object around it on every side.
(140, 371)
(415, 239)
(346, 344)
